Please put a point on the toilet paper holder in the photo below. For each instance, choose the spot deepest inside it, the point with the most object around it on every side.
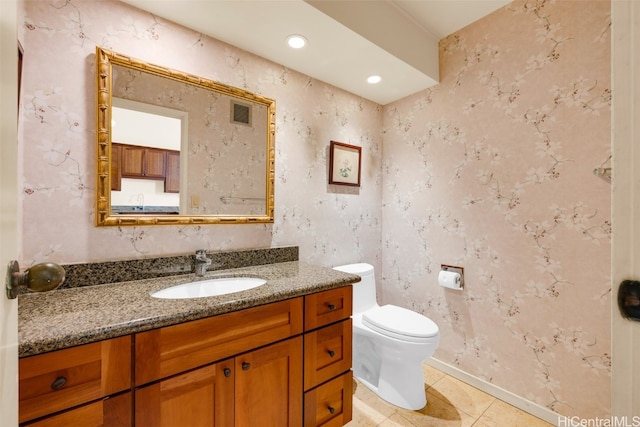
(454, 269)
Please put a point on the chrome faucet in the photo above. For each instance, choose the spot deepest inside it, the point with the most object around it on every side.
(201, 262)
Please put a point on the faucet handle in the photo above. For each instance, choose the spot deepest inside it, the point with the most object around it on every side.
(202, 258)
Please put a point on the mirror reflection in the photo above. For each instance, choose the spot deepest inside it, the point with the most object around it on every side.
(145, 156)
(180, 148)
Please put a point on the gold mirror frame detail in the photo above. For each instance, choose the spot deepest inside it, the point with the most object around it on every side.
(104, 216)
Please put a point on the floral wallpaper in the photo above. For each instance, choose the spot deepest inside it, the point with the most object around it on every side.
(490, 170)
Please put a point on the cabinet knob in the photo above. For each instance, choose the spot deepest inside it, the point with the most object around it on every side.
(246, 366)
(331, 306)
(331, 409)
(331, 353)
(227, 372)
(58, 383)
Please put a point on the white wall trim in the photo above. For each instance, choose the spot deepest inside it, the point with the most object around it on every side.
(497, 392)
(625, 335)
(9, 214)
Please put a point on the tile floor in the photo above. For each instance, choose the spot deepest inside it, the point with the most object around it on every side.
(450, 402)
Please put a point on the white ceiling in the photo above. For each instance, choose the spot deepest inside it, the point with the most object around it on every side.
(348, 39)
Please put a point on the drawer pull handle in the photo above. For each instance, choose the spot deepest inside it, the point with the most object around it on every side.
(227, 372)
(331, 306)
(58, 383)
(246, 366)
(332, 410)
(331, 353)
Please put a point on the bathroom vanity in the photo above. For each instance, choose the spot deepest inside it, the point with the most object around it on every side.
(113, 355)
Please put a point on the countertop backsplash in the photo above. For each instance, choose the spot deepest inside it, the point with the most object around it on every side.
(98, 273)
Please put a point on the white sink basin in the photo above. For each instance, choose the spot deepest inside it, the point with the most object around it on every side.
(209, 288)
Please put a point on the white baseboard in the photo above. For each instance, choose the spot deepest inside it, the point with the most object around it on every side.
(497, 392)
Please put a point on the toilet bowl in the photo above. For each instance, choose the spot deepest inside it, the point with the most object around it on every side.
(389, 344)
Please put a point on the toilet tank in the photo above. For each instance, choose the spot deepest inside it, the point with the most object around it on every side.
(364, 292)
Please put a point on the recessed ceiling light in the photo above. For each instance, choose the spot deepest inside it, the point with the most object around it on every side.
(296, 41)
(374, 79)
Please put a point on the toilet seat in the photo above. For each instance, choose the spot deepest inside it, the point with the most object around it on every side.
(400, 323)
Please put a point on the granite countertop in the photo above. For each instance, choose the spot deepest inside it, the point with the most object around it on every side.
(68, 317)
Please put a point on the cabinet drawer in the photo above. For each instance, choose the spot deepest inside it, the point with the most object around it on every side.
(166, 351)
(61, 379)
(111, 412)
(330, 404)
(327, 353)
(327, 307)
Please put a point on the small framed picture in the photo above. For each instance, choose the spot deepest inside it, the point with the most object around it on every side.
(344, 164)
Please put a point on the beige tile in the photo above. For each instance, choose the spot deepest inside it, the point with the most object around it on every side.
(437, 413)
(368, 409)
(396, 420)
(502, 414)
(450, 403)
(462, 396)
(431, 375)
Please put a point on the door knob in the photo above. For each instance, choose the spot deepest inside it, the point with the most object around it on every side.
(629, 299)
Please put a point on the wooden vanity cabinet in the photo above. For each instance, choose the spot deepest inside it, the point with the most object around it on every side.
(283, 364)
(64, 379)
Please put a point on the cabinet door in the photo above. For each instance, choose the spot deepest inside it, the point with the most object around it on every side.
(269, 386)
(200, 398)
(132, 159)
(154, 162)
(172, 183)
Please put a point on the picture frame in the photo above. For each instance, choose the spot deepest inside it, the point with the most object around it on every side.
(344, 164)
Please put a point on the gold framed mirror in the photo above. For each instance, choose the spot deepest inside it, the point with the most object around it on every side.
(174, 148)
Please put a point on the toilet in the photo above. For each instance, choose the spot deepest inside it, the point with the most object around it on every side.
(389, 344)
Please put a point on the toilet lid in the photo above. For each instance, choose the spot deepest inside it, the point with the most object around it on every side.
(393, 320)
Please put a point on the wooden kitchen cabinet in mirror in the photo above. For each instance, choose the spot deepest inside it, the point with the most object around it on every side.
(143, 162)
(133, 161)
(174, 148)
